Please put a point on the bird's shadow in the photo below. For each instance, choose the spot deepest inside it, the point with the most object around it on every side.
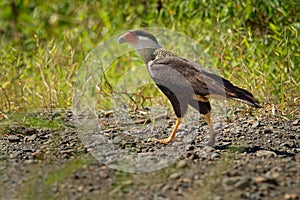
(249, 150)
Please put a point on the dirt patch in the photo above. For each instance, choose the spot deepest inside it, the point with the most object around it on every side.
(254, 158)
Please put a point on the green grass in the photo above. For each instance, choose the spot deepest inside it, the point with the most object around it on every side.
(65, 171)
(15, 122)
(41, 188)
(254, 43)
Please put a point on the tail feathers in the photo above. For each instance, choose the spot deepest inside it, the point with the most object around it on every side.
(242, 95)
(232, 91)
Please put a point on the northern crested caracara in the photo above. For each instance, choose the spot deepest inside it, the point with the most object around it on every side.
(184, 82)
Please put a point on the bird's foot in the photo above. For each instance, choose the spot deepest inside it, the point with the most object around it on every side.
(165, 141)
(162, 141)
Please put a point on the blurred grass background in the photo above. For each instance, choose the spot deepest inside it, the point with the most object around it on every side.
(254, 43)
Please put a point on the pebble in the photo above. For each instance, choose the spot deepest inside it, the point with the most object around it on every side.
(37, 155)
(262, 153)
(272, 178)
(217, 126)
(13, 138)
(184, 185)
(175, 175)
(226, 143)
(29, 130)
(255, 124)
(254, 196)
(266, 187)
(215, 155)
(217, 198)
(291, 196)
(12, 155)
(31, 137)
(231, 180)
(127, 182)
(243, 183)
(259, 179)
(208, 149)
(295, 122)
(285, 144)
(181, 164)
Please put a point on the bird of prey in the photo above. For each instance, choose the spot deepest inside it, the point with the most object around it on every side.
(184, 82)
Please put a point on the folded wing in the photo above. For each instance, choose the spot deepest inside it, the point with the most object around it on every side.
(187, 79)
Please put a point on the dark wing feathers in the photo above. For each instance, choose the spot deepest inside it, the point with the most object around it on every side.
(187, 79)
(232, 91)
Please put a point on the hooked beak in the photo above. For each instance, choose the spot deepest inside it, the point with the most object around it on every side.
(121, 40)
(128, 37)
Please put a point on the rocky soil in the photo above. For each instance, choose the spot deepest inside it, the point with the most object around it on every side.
(255, 157)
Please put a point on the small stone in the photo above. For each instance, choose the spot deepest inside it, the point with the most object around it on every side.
(127, 182)
(181, 164)
(285, 144)
(229, 188)
(259, 179)
(290, 196)
(166, 188)
(13, 138)
(12, 155)
(215, 155)
(67, 151)
(15, 154)
(208, 149)
(217, 126)
(275, 175)
(295, 122)
(184, 185)
(186, 180)
(254, 196)
(29, 161)
(31, 138)
(175, 175)
(243, 183)
(231, 180)
(255, 124)
(217, 198)
(30, 130)
(80, 188)
(265, 187)
(262, 153)
(226, 143)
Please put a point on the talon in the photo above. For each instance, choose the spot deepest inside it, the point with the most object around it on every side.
(171, 137)
(165, 141)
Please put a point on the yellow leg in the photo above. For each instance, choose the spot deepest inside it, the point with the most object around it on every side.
(173, 134)
(212, 134)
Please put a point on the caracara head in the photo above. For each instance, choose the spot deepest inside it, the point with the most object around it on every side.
(139, 40)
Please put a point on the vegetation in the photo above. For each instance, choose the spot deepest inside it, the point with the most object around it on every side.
(253, 43)
(43, 47)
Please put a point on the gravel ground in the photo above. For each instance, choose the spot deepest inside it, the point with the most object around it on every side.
(255, 157)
